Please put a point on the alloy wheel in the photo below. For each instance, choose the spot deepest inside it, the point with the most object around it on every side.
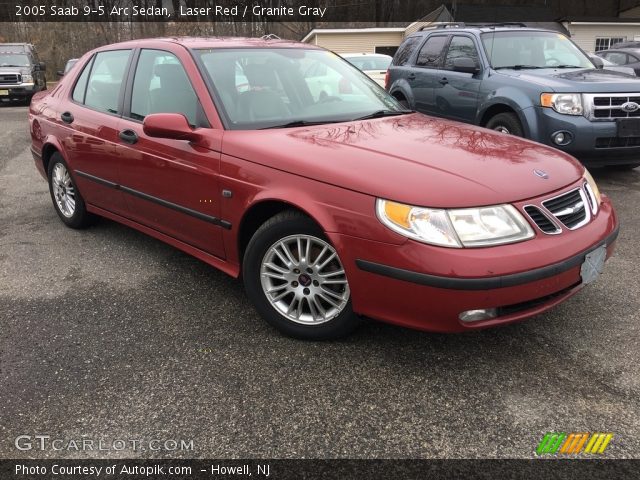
(63, 190)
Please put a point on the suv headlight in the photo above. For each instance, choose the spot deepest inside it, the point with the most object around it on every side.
(27, 78)
(459, 227)
(565, 103)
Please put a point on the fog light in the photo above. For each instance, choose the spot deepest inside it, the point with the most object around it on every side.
(478, 315)
(561, 138)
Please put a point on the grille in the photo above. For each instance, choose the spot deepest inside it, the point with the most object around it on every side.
(541, 220)
(606, 107)
(9, 78)
(570, 208)
(617, 142)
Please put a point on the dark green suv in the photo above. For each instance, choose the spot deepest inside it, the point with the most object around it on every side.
(524, 81)
(21, 72)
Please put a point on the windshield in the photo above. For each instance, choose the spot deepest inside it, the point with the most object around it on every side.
(282, 87)
(14, 60)
(370, 63)
(531, 49)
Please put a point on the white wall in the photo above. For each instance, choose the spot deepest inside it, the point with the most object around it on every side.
(585, 35)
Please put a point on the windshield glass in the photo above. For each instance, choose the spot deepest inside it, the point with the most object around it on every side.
(265, 88)
(370, 63)
(531, 49)
(13, 60)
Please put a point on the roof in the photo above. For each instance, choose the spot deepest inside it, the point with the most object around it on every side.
(317, 31)
(219, 42)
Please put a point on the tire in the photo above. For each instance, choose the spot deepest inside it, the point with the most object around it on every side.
(507, 123)
(297, 299)
(67, 201)
(403, 101)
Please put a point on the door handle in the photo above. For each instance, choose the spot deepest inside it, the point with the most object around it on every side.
(411, 76)
(443, 81)
(66, 117)
(128, 136)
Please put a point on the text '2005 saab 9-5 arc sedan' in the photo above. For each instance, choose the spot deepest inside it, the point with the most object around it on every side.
(330, 206)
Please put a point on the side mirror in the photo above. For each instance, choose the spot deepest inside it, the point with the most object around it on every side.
(169, 125)
(597, 61)
(42, 66)
(465, 64)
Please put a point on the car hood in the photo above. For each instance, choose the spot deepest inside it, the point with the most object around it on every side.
(413, 159)
(20, 70)
(578, 80)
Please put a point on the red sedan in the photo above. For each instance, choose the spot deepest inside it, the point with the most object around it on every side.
(282, 163)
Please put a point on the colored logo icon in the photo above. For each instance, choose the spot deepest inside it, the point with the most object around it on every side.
(573, 443)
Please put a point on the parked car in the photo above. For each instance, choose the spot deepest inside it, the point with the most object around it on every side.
(21, 72)
(628, 57)
(607, 65)
(329, 209)
(626, 44)
(528, 82)
(70, 63)
(375, 65)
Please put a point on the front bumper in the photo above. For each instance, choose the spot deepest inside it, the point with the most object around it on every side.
(425, 287)
(593, 143)
(21, 90)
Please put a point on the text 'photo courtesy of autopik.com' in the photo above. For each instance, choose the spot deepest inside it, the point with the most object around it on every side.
(319, 239)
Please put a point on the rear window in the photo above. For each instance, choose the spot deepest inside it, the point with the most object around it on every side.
(405, 51)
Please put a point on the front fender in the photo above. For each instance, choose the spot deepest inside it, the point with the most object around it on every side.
(516, 100)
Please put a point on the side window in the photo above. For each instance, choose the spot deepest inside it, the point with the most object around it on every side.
(406, 50)
(458, 48)
(161, 85)
(81, 85)
(431, 52)
(107, 75)
(617, 58)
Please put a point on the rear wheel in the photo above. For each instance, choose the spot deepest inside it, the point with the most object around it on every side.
(67, 201)
(296, 280)
(506, 122)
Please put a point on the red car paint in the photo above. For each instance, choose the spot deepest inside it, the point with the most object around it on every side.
(334, 173)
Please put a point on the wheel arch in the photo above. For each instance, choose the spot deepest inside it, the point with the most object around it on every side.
(49, 147)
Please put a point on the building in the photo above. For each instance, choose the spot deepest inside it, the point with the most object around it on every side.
(591, 34)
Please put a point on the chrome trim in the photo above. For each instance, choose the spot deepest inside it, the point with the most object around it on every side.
(589, 106)
(551, 219)
(587, 211)
(591, 196)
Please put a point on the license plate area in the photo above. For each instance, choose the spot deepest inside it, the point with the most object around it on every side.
(593, 265)
(628, 127)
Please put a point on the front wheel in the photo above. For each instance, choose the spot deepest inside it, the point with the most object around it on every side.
(506, 123)
(67, 201)
(296, 280)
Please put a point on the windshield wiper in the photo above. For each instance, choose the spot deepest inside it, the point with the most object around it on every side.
(9, 65)
(568, 66)
(518, 67)
(382, 113)
(300, 123)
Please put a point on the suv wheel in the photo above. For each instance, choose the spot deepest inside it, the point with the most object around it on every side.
(296, 280)
(66, 198)
(506, 123)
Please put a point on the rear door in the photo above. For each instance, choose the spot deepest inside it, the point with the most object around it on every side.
(171, 185)
(456, 93)
(424, 75)
(89, 121)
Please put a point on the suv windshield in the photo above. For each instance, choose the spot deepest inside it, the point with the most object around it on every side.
(14, 60)
(533, 49)
(287, 87)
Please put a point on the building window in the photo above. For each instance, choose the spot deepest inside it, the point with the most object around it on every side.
(604, 43)
(391, 51)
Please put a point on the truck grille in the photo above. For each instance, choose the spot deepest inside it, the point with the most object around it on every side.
(608, 107)
(617, 142)
(10, 79)
(570, 208)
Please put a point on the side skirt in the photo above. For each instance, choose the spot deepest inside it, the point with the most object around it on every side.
(229, 269)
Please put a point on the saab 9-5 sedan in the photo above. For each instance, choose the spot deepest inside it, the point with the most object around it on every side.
(330, 207)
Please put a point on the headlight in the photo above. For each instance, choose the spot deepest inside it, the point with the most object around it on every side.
(565, 103)
(468, 227)
(26, 78)
(592, 189)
